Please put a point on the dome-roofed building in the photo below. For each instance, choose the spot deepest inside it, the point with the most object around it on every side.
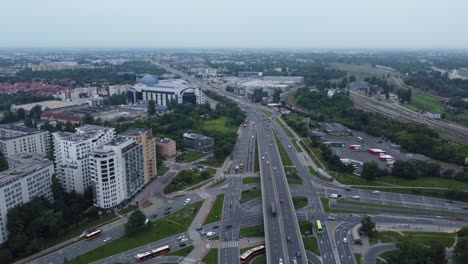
(149, 80)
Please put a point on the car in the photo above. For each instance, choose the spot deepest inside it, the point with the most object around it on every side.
(280, 261)
(255, 187)
(294, 261)
(182, 244)
(146, 221)
(355, 196)
(167, 212)
(449, 201)
(274, 168)
(465, 208)
(180, 237)
(375, 192)
(298, 254)
(252, 136)
(289, 146)
(331, 218)
(184, 240)
(288, 238)
(228, 226)
(266, 153)
(154, 215)
(268, 162)
(378, 141)
(281, 201)
(107, 239)
(345, 240)
(347, 189)
(439, 216)
(263, 157)
(168, 208)
(210, 233)
(216, 226)
(199, 228)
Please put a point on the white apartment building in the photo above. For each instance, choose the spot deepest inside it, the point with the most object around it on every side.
(72, 151)
(28, 176)
(18, 139)
(117, 172)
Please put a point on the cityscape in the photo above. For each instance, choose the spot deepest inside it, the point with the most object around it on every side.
(195, 137)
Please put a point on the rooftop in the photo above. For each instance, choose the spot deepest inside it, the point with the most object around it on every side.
(334, 127)
(135, 131)
(22, 165)
(194, 136)
(82, 133)
(50, 104)
(163, 140)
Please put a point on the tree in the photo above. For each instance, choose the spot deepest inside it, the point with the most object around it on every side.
(135, 221)
(58, 126)
(5, 256)
(276, 95)
(370, 171)
(35, 112)
(87, 119)
(69, 127)
(461, 248)
(47, 126)
(151, 108)
(8, 117)
(408, 95)
(352, 78)
(98, 121)
(28, 122)
(436, 253)
(3, 162)
(367, 226)
(20, 114)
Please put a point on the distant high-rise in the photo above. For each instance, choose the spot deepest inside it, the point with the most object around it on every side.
(116, 172)
(144, 137)
(72, 152)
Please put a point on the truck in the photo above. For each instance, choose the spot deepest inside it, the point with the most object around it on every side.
(241, 166)
(334, 196)
(273, 209)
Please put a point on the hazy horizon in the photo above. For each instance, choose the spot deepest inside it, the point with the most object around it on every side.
(296, 24)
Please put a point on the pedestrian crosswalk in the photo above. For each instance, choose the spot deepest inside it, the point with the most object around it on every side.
(229, 244)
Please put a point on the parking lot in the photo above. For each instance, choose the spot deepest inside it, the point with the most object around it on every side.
(368, 142)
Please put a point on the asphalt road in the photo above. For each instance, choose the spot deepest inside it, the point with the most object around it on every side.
(375, 251)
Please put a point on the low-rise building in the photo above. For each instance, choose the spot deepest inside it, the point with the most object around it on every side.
(334, 129)
(29, 176)
(18, 139)
(198, 143)
(166, 147)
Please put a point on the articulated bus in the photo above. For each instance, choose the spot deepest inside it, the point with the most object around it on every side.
(319, 227)
(252, 253)
(360, 139)
(93, 234)
(153, 253)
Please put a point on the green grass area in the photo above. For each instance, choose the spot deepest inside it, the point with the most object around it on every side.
(426, 102)
(318, 155)
(358, 258)
(183, 252)
(248, 180)
(256, 158)
(76, 230)
(311, 244)
(386, 256)
(295, 181)
(252, 231)
(162, 169)
(300, 202)
(422, 192)
(327, 209)
(216, 210)
(296, 145)
(128, 209)
(212, 163)
(305, 226)
(268, 113)
(218, 125)
(259, 260)
(283, 154)
(410, 107)
(175, 223)
(446, 239)
(217, 183)
(249, 195)
(188, 178)
(211, 257)
(189, 156)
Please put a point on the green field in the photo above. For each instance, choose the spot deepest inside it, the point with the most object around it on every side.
(446, 239)
(310, 243)
(173, 224)
(249, 195)
(256, 157)
(358, 258)
(305, 226)
(248, 180)
(300, 202)
(426, 102)
(295, 181)
(285, 129)
(183, 252)
(189, 156)
(212, 163)
(218, 125)
(259, 260)
(188, 178)
(211, 257)
(327, 209)
(128, 209)
(216, 210)
(253, 231)
(283, 154)
(162, 169)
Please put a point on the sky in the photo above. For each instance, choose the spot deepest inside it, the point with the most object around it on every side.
(306, 24)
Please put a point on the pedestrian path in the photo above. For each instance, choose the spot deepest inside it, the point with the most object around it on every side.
(203, 212)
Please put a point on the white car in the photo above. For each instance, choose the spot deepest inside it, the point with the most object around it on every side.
(280, 261)
(184, 240)
(252, 136)
(107, 239)
(263, 157)
(375, 192)
(274, 168)
(210, 234)
(289, 146)
(345, 239)
(268, 162)
(355, 196)
(180, 237)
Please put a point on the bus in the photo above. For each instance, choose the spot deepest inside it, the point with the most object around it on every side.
(360, 139)
(273, 209)
(93, 234)
(252, 253)
(153, 253)
(319, 227)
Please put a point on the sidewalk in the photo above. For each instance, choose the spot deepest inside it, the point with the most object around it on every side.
(203, 212)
